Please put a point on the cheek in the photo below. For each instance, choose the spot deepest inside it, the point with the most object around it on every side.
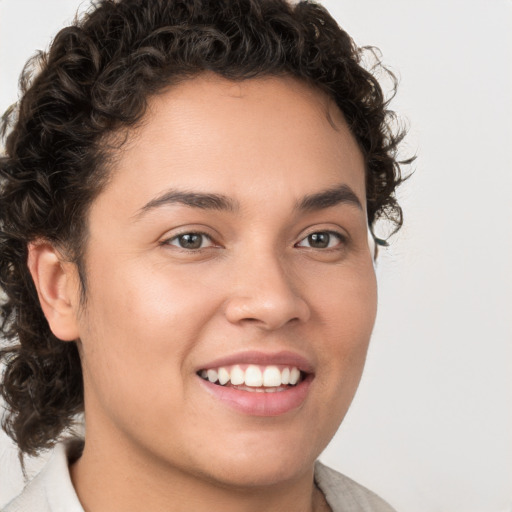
(343, 318)
(138, 328)
(347, 311)
(347, 304)
(136, 297)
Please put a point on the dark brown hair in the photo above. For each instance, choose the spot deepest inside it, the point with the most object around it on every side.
(95, 80)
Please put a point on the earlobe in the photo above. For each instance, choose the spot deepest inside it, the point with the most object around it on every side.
(56, 284)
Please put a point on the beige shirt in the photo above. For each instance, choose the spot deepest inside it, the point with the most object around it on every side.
(52, 491)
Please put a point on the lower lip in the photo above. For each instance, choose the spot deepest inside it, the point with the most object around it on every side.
(261, 404)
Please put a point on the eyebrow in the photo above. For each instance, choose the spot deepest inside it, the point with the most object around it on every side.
(192, 199)
(328, 198)
(205, 201)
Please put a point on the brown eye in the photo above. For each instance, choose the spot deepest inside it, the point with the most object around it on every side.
(191, 241)
(321, 240)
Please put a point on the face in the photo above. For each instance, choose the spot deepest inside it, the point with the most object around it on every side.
(228, 257)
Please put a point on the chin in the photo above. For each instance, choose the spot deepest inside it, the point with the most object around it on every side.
(271, 473)
(264, 463)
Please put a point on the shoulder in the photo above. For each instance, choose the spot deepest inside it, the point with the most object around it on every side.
(345, 495)
(51, 489)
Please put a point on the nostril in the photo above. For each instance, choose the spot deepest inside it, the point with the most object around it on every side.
(269, 312)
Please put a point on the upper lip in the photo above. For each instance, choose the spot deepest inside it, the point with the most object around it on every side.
(262, 358)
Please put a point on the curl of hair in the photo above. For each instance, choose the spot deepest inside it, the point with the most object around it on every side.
(96, 79)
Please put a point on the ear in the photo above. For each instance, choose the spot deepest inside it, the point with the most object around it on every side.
(56, 283)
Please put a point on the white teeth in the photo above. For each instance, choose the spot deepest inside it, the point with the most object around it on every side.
(237, 376)
(294, 376)
(212, 375)
(271, 376)
(254, 377)
(223, 376)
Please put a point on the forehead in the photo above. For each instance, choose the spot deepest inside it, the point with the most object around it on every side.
(209, 91)
(211, 134)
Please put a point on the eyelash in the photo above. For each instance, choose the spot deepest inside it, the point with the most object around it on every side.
(197, 233)
(341, 240)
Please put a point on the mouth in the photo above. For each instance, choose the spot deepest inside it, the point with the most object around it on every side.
(258, 384)
(254, 378)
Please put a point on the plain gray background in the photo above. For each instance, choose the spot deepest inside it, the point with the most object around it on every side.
(431, 426)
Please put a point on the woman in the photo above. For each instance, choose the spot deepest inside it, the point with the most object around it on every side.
(188, 198)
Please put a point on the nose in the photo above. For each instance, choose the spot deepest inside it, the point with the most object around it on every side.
(263, 294)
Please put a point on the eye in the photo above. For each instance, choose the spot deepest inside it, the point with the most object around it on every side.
(321, 240)
(191, 241)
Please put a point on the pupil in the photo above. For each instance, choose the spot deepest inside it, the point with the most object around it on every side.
(319, 240)
(190, 241)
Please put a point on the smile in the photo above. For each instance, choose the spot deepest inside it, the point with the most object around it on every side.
(254, 378)
(258, 384)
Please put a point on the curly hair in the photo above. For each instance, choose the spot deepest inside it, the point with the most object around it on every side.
(96, 80)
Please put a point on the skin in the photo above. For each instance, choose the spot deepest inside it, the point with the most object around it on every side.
(156, 312)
